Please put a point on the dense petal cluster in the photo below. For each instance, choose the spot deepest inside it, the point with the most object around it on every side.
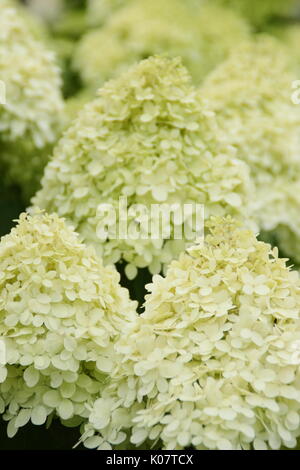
(31, 115)
(149, 138)
(32, 83)
(35, 25)
(60, 314)
(202, 37)
(213, 362)
(251, 95)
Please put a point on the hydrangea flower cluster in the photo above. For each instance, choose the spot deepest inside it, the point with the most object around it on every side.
(33, 23)
(213, 362)
(31, 117)
(60, 314)
(139, 30)
(251, 95)
(202, 38)
(149, 137)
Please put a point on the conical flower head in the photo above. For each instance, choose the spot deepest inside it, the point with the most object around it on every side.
(148, 138)
(31, 105)
(255, 84)
(60, 313)
(214, 359)
(33, 100)
(251, 95)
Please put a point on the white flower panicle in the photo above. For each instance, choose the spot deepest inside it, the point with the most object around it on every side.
(211, 362)
(33, 98)
(31, 117)
(149, 137)
(251, 95)
(60, 314)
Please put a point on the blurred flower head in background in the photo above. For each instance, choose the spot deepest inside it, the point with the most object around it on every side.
(30, 120)
(251, 95)
(202, 37)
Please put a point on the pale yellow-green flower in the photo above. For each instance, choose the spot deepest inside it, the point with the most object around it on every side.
(251, 94)
(148, 137)
(202, 37)
(60, 314)
(33, 100)
(31, 116)
(35, 24)
(214, 360)
(139, 30)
